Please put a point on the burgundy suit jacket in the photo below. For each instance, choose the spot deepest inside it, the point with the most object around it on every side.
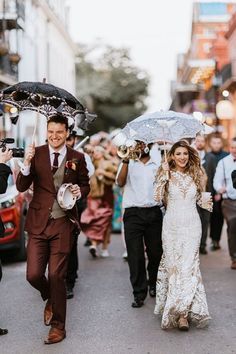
(44, 190)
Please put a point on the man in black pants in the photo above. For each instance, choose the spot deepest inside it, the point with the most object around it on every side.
(217, 218)
(5, 171)
(208, 162)
(142, 223)
(73, 262)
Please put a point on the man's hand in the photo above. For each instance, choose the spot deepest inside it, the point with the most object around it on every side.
(222, 190)
(29, 154)
(217, 197)
(6, 155)
(75, 189)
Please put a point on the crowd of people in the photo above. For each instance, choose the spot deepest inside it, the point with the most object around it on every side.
(153, 196)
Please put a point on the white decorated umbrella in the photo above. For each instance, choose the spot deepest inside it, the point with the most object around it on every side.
(164, 127)
(167, 126)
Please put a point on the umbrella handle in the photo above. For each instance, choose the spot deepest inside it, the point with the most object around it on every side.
(35, 127)
(34, 133)
(165, 158)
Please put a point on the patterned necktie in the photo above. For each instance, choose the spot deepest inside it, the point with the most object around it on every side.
(55, 162)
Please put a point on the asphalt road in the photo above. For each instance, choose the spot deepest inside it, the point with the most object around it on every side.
(100, 319)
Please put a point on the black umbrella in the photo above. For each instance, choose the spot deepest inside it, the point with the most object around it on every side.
(46, 99)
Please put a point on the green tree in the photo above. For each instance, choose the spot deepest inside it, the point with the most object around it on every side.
(110, 85)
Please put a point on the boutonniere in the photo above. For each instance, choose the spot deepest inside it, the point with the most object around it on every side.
(71, 165)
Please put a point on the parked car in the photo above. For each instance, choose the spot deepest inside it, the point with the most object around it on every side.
(13, 208)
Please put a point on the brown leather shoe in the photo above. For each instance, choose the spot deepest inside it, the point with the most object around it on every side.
(183, 324)
(48, 313)
(233, 265)
(55, 335)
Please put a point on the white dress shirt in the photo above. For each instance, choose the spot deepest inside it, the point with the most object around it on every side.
(139, 187)
(25, 170)
(223, 176)
(89, 163)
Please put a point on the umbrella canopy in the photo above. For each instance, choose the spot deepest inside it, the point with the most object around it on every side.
(46, 99)
(160, 126)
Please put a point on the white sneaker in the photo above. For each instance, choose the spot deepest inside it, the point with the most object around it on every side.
(104, 253)
(125, 256)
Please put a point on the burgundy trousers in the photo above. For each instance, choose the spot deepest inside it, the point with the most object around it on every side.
(51, 248)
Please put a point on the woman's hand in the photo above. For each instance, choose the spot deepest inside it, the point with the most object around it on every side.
(165, 166)
(99, 172)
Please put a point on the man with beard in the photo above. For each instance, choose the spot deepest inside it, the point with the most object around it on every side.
(142, 222)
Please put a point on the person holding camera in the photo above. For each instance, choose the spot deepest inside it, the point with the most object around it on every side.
(5, 171)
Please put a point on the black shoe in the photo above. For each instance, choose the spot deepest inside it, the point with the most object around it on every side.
(3, 331)
(87, 243)
(69, 292)
(137, 303)
(203, 250)
(93, 251)
(215, 246)
(152, 291)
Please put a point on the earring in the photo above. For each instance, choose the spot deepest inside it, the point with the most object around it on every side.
(146, 150)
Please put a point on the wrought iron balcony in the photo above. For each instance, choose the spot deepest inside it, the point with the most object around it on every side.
(9, 69)
(12, 14)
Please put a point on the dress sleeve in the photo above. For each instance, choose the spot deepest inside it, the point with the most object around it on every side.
(208, 207)
(159, 187)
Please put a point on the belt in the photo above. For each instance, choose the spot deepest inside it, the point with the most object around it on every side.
(154, 206)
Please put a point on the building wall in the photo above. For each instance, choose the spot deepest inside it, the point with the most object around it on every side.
(47, 52)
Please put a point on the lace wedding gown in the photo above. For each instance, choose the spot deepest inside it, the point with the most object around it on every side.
(180, 290)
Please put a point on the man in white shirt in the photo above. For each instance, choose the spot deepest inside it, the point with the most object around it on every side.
(223, 185)
(142, 223)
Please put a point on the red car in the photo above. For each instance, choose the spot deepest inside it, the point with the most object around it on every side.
(13, 207)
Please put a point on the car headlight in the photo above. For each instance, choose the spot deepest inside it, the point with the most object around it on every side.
(8, 203)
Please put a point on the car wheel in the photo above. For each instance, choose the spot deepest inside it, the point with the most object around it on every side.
(21, 253)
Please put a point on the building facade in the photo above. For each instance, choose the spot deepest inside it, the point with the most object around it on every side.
(46, 51)
(200, 70)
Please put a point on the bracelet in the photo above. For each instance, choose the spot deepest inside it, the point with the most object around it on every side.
(125, 161)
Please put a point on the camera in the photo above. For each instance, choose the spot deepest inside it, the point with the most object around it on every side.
(16, 152)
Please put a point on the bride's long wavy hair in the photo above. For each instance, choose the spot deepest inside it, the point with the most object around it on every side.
(193, 167)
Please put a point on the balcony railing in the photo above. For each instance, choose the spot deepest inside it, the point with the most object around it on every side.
(12, 14)
(8, 69)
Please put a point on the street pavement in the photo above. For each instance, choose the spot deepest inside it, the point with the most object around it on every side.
(100, 319)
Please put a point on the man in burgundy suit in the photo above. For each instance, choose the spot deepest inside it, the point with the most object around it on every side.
(50, 228)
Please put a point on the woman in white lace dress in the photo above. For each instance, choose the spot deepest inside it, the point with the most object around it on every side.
(180, 295)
